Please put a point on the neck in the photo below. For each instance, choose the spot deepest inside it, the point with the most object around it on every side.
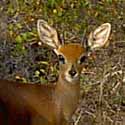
(67, 95)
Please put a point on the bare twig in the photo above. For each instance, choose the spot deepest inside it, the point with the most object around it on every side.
(78, 118)
(114, 89)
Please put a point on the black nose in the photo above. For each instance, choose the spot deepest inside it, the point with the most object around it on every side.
(72, 72)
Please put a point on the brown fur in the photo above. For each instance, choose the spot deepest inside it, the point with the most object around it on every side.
(36, 104)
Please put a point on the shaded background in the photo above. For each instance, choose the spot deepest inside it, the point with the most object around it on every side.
(22, 59)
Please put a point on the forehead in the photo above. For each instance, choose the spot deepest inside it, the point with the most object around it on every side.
(71, 51)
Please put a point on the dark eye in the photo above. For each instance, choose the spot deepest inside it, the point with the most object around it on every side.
(61, 59)
(82, 59)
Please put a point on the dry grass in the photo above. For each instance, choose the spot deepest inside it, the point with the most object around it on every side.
(103, 91)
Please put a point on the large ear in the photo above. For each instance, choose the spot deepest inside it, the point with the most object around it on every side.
(47, 34)
(99, 38)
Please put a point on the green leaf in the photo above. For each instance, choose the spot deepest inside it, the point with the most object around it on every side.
(37, 73)
(19, 39)
(24, 36)
(18, 25)
(43, 80)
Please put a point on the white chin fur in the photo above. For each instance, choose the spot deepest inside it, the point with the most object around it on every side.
(71, 79)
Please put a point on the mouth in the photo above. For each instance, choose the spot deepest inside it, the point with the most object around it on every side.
(70, 78)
